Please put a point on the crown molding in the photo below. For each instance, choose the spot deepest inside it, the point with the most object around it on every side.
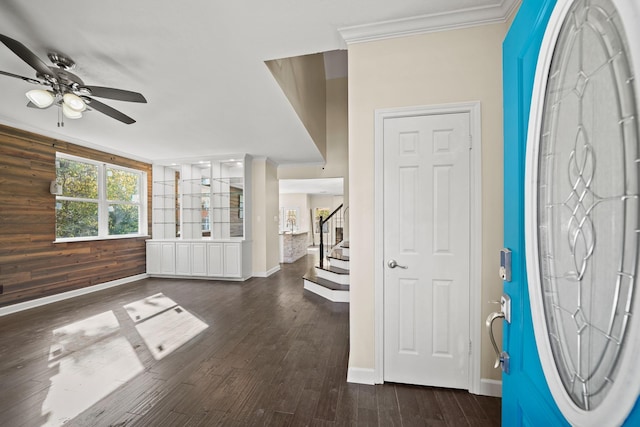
(301, 165)
(464, 18)
(266, 159)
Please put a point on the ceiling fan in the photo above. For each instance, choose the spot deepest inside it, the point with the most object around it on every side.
(66, 90)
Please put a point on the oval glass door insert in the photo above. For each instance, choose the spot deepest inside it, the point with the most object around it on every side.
(583, 209)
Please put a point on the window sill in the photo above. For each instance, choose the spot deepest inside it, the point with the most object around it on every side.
(94, 238)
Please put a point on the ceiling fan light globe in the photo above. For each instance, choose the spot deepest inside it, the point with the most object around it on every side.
(69, 112)
(41, 98)
(74, 102)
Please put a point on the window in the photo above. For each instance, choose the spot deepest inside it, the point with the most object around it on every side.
(324, 213)
(98, 200)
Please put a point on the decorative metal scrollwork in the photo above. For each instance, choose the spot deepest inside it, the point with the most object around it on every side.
(581, 201)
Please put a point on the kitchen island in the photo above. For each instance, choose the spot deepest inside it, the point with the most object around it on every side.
(293, 245)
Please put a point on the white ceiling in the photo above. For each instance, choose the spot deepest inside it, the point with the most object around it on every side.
(200, 64)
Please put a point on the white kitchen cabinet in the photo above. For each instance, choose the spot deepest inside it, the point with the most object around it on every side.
(232, 260)
(161, 258)
(153, 257)
(199, 259)
(183, 259)
(215, 266)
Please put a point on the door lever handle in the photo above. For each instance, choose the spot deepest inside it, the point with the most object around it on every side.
(393, 264)
(502, 358)
(489, 323)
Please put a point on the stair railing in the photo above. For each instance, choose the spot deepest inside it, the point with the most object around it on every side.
(331, 229)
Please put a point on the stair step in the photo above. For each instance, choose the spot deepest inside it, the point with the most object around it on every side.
(340, 262)
(339, 255)
(327, 289)
(335, 274)
(329, 284)
(332, 280)
(332, 269)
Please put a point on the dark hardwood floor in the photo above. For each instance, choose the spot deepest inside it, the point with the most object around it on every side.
(271, 354)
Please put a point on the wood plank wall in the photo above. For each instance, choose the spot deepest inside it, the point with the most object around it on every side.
(31, 265)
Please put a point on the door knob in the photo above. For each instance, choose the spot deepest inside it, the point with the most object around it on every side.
(393, 264)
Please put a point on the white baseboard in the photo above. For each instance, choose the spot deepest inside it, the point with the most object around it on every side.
(66, 295)
(268, 272)
(361, 376)
(490, 387)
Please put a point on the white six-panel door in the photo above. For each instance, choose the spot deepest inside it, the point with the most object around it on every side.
(426, 230)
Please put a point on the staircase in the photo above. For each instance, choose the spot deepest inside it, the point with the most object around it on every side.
(331, 281)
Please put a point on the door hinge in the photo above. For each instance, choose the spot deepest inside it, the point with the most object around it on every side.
(469, 347)
(470, 142)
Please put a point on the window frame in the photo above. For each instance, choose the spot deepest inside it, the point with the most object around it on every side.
(104, 203)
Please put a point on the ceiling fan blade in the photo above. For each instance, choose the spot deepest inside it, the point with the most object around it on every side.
(26, 79)
(118, 94)
(27, 56)
(109, 111)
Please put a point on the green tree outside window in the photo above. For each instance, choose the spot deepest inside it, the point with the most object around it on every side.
(83, 210)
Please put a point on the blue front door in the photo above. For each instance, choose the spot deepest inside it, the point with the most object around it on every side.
(526, 397)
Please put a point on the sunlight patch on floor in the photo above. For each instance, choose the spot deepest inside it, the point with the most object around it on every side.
(149, 306)
(92, 360)
(167, 331)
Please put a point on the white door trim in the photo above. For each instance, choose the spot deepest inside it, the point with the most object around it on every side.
(475, 253)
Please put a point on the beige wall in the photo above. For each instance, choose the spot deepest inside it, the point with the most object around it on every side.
(337, 156)
(299, 201)
(436, 68)
(264, 217)
(302, 80)
(272, 209)
(324, 202)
